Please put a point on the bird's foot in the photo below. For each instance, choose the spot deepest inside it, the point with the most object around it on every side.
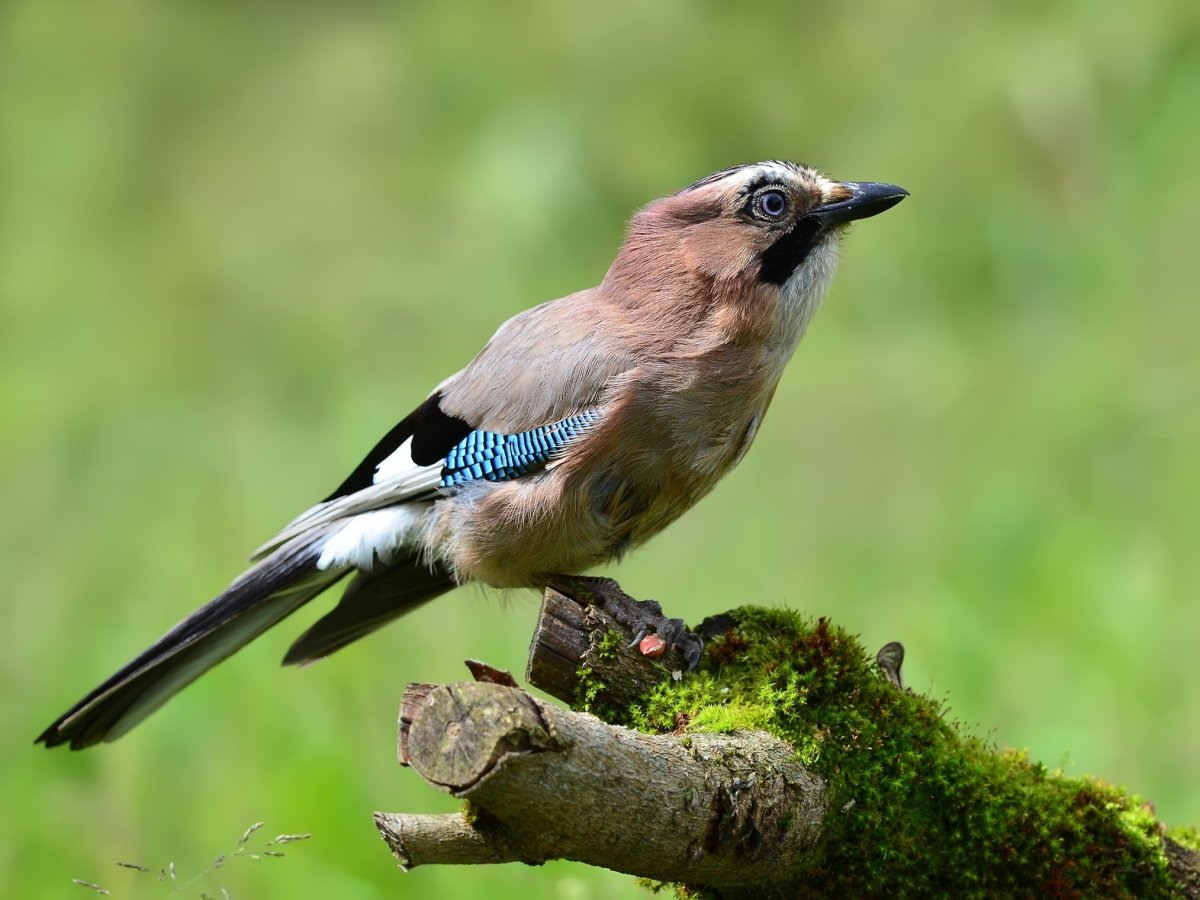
(641, 617)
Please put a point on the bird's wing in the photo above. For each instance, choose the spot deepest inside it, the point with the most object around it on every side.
(537, 382)
(407, 482)
(543, 365)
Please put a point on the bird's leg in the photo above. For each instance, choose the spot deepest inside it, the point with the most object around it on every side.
(641, 617)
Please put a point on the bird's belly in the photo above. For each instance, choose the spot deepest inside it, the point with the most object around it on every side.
(512, 534)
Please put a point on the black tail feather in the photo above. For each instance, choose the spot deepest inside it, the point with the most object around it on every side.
(371, 600)
(263, 596)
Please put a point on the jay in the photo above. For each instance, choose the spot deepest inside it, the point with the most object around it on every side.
(585, 426)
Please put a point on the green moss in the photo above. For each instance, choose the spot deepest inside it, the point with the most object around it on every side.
(1185, 836)
(591, 693)
(609, 645)
(935, 810)
(470, 812)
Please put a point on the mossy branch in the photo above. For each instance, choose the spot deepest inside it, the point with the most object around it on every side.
(789, 762)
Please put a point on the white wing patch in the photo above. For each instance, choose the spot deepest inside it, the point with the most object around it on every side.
(373, 536)
(399, 463)
(397, 479)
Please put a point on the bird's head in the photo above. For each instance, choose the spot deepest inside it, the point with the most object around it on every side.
(769, 228)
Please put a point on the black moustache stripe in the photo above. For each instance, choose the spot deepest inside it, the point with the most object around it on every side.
(788, 252)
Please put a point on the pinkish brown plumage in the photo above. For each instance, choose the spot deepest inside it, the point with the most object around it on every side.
(680, 349)
(584, 427)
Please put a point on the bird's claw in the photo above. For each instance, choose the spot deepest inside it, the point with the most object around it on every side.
(642, 617)
(692, 647)
(671, 630)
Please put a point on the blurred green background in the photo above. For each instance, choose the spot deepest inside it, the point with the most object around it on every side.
(238, 242)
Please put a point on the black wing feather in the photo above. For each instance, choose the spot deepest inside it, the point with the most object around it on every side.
(433, 433)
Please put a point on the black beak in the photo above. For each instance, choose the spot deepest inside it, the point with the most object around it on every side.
(867, 198)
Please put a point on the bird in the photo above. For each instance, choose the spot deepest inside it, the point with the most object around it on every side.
(583, 427)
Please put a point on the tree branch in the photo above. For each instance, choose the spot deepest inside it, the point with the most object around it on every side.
(738, 813)
(418, 840)
(571, 635)
(722, 810)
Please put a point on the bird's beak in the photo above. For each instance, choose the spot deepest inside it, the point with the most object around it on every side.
(867, 198)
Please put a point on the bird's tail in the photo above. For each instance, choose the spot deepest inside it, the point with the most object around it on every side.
(273, 589)
(371, 600)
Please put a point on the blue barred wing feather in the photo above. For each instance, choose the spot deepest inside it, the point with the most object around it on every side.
(492, 456)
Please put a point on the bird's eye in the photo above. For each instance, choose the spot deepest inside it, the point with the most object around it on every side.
(771, 204)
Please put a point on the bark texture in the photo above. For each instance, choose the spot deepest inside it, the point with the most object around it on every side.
(722, 810)
(571, 635)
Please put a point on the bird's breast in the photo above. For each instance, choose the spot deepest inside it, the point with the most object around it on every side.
(658, 445)
(669, 451)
